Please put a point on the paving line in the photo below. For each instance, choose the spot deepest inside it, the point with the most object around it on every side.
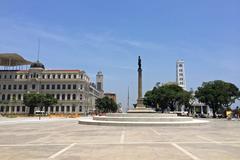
(122, 137)
(62, 151)
(155, 131)
(185, 151)
(207, 139)
(125, 143)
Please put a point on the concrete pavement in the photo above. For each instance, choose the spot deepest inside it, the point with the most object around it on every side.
(66, 139)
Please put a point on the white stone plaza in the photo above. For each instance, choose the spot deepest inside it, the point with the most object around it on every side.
(65, 139)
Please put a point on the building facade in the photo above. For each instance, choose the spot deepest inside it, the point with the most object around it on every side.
(72, 88)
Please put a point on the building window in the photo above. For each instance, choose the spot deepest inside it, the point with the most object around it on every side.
(58, 86)
(73, 108)
(54, 76)
(9, 87)
(33, 86)
(20, 87)
(59, 76)
(58, 96)
(48, 76)
(18, 108)
(13, 109)
(69, 76)
(68, 108)
(69, 86)
(74, 76)
(7, 108)
(63, 86)
(53, 86)
(10, 76)
(3, 97)
(48, 86)
(80, 96)
(68, 96)
(8, 97)
(180, 70)
(64, 76)
(63, 96)
(74, 86)
(180, 65)
(19, 96)
(23, 108)
(4, 86)
(2, 109)
(51, 109)
(74, 96)
(42, 86)
(14, 86)
(14, 97)
(21, 76)
(57, 108)
(62, 108)
(80, 108)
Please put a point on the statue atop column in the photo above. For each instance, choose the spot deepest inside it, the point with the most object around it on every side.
(139, 62)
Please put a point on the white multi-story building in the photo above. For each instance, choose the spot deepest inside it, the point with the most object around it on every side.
(180, 74)
(72, 88)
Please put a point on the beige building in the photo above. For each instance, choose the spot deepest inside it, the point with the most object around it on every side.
(72, 88)
(111, 96)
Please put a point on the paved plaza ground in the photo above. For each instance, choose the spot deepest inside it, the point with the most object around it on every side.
(65, 139)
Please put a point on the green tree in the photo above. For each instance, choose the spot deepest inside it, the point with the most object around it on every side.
(217, 95)
(48, 100)
(106, 105)
(167, 96)
(33, 100)
(150, 98)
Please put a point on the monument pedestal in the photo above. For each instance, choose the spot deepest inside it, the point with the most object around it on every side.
(140, 108)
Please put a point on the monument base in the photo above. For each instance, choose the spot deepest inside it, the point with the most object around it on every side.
(140, 108)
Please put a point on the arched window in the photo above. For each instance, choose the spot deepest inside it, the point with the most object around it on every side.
(8, 97)
(3, 97)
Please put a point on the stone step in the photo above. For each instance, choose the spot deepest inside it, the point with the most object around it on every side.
(142, 119)
(145, 124)
(141, 115)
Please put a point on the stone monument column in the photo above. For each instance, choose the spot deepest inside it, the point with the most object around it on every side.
(139, 78)
(140, 108)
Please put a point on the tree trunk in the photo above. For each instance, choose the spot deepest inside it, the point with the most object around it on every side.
(31, 111)
(214, 113)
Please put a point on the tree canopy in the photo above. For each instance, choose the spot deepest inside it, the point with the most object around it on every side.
(33, 100)
(106, 105)
(217, 94)
(167, 96)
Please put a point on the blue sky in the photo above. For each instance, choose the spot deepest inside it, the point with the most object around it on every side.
(108, 35)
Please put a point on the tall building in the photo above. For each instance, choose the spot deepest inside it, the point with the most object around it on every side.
(180, 74)
(72, 88)
(99, 81)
